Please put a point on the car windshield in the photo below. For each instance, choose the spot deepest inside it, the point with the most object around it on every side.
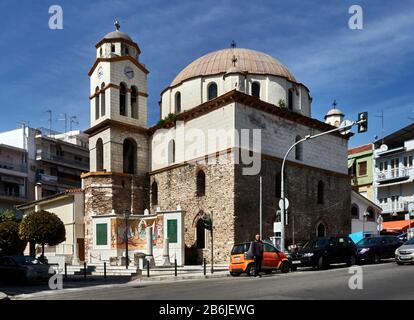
(411, 241)
(371, 240)
(26, 260)
(240, 248)
(316, 243)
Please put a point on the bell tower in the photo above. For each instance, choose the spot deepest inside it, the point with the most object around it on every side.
(117, 180)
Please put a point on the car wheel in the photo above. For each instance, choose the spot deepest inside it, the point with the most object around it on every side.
(284, 268)
(321, 263)
(376, 259)
(249, 270)
(235, 274)
(293, 268)
(351, 261)
(399, 263)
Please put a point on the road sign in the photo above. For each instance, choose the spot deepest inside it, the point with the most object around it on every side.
(281, 204)
(277, 226)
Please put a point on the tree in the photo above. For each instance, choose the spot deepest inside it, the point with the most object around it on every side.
(42, 227)
(7, 215)
(10, 243)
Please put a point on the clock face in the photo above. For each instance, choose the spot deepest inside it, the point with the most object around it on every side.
(129, 72)
(100, 73)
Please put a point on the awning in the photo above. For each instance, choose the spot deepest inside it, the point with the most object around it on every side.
(351, 162)
(400, 225)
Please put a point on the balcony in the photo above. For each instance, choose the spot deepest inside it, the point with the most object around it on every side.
(13, 166)
(58, 181)
(396, 206)
(83, 165)
(396, 174)
(13, 196)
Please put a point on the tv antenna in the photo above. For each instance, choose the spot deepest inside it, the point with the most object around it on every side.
(382, 125)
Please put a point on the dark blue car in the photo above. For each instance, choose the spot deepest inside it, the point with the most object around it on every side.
(374, 249)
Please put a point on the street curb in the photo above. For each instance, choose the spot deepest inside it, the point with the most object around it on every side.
(180, 277)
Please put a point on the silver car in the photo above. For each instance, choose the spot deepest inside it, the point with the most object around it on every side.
(405, 253)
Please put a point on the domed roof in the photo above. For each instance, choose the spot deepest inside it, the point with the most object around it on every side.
(217, 62)
(334, 112)
(116, 35)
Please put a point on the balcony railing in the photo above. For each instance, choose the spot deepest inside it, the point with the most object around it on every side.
(13, 166)
(11, 194)
(40, 155)
(395, 206)
(396, 173)
(58, 180)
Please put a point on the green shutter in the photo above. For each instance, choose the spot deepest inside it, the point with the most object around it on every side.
(101, 234)
(172, 231)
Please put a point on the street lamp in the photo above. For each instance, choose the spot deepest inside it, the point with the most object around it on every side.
(343, 129)
(126, 216)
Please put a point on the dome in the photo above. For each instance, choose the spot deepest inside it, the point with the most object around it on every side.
(334, 112)
(217, 62)
(116, 35)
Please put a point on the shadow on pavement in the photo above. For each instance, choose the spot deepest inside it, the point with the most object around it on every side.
(12, 289)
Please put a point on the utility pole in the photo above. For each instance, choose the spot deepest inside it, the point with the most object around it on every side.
(261, 209)
(50, 121)
(344, 128)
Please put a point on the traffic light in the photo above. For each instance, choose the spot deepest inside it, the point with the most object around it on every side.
(208, 224)
(362, 122)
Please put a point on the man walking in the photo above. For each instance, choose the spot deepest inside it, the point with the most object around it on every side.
(257, 251)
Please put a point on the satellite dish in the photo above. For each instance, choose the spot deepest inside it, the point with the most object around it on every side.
(345, 127)
(383, 148)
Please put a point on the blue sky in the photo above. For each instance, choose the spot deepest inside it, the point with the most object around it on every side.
(364, 70)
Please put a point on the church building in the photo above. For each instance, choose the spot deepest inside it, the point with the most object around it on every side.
(226, 121)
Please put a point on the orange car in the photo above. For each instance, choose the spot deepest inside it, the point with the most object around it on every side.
(241, 259)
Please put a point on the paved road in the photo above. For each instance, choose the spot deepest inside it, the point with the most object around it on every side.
(383, 281)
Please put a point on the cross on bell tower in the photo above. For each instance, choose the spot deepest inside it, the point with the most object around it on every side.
(117, 25)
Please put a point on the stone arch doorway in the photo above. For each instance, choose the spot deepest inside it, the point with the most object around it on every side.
(320, 230)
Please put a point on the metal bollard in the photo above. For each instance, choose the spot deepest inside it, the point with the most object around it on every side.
(105, 270)
(66, 270)
(205, 266)
(84, 270)
(148, 269)
(175, 267)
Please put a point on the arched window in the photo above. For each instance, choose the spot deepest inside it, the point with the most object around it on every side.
(178, 102)
(298, 149)
(122, 99)
(154, 193)
(129, 156)
(354, 211)
(278, 184)
(320, 195)
(256, 89)
(171, 151)
(201, 183)
(112, 48)
(100, 52)
(99, 155)
(290, 99)
(96, 103)
(134, 102)
(370, 214)
(200, 234)
(321, 230)
(212, 91)
(102, 99)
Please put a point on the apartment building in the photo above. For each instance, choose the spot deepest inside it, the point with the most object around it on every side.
(394, 173)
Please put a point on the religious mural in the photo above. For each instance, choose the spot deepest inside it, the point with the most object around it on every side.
(137, 236)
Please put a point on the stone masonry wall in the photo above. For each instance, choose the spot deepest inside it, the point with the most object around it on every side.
(301, 190)
(177, 186)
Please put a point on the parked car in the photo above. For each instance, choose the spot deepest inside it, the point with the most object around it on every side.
(373, 249)
(403, 237)
(23, 269)
(241, 260)
(321, 252)
(405, 253)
